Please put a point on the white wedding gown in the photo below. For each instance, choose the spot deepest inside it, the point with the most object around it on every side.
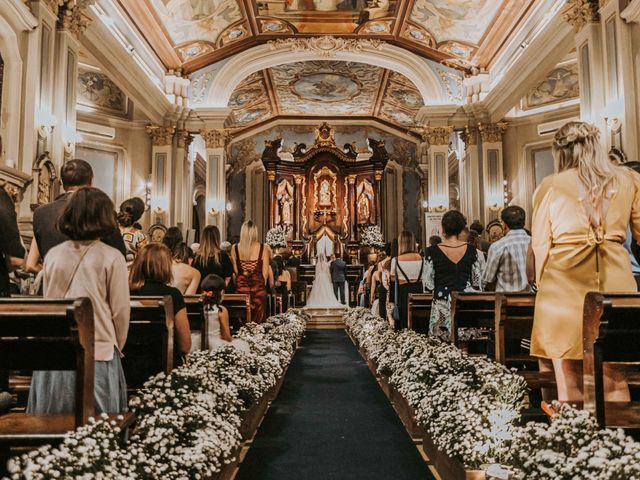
(322, 294)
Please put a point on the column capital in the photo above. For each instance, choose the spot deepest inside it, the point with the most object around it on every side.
(271, 175)
(437, 136)
(579, 13)
(71, 14)
(469, 135)
(215, 137)
(184, 138)
(160, 136)
(298, 179)
(377, 175)
(492, 132)
(351, 179)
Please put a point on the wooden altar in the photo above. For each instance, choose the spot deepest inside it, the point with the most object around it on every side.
(324, 190)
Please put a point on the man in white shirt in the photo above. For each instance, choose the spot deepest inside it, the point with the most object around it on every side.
(506, 268)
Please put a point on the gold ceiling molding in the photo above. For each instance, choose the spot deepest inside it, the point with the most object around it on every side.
(581, 12)
(492, 132)
(327, 46)
(160, 136)
(215, 137)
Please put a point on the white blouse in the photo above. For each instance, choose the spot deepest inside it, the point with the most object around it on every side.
(411, 269)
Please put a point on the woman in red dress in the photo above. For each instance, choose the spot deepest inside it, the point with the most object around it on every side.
(250, 260)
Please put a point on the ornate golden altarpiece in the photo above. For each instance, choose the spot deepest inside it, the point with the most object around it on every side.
(324, 190)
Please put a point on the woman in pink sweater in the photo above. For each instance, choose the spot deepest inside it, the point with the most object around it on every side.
(86, 267)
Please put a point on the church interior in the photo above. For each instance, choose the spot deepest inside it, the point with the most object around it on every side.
(346, 138)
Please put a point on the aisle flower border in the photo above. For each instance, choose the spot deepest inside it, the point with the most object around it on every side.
(188, 422)
(469, 408)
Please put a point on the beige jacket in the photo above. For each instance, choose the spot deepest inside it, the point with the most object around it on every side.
(102, 276)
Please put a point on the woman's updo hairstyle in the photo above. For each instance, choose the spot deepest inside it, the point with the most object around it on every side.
(130, 211)
(212, 287)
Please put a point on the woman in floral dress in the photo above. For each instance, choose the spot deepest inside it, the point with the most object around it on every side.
(451, 266)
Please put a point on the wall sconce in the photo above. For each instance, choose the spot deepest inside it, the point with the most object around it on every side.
(46, 123)
(438, 203)
(229, 206)
(71, 138)
(147, 193)
(425, 204)
(214, 206)
(159, 205)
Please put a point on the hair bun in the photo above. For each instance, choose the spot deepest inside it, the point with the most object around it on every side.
(575, 132)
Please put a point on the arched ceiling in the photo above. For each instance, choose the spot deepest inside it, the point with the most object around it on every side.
(191, 34)
(326, 89)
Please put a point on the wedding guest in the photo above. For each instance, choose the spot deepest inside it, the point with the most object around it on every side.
(74, 174)
(172, 237)
(11, 249)
(250, 260)
(580, 219)
(406, 271)
(506, 269)
(452, 266)
(83, 266)
(434, 240)
(134, 239)
(282, 282)
(630, 244)
(185, 277)
(479, 229)
(211, 259)
(217, 316)
(474, 240)
(150, 276)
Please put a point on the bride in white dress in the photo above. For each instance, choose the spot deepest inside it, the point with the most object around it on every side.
(322, 294)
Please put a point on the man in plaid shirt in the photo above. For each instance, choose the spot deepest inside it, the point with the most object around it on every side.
(506, 268)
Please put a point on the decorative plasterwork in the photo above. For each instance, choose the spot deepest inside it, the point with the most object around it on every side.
(71, 14)
(14, 182)
(435, 136)
(184, 138)
(470, 135)
(160, 136)
(327, 46)
(215, 138)
(492, 132)
(581, 12)
(250, 101)
(98, 92)
(560, 85)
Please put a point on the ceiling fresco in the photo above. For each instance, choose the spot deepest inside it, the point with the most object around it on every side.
(192, 34)
(328, 89)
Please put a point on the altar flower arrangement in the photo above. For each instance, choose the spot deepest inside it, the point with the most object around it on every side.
(188, 422)
(371, 236)
(277, 238)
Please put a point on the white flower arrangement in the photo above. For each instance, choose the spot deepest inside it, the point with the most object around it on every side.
(371, 236)
(187, 422)
(470, 407)
(277, 238)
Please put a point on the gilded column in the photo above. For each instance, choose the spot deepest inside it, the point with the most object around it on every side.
(351, 180)
(438, 158)
(181, 191)
(161, 164)
(380, 220)
(492, 168)
(215, 140)
(297, 207)
(271, 199)
(470, 191)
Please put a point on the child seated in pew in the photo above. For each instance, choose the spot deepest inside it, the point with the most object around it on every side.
(151, 276)
(83, 266)
(217, 316)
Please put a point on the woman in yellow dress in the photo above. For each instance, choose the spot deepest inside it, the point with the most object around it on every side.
(580, 219)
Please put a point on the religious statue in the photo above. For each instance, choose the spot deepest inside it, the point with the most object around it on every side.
(364, 211)
(285, 209)
(325, 193)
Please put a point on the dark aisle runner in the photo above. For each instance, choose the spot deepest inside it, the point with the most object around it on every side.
(331, 421)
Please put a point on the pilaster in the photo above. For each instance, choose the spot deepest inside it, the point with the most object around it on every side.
(437, 139)
(492, 168)
(471, 183)
(161, 168)
(181, 192)
(215, 140)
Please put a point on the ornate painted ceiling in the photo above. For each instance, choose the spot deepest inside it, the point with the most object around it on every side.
(191, 34)
(326, 89)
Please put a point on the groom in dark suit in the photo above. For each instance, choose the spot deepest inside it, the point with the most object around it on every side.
(338, 270)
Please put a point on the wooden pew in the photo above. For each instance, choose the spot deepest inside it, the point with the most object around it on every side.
(473, 310)
(238, 305)
(513, 323)
(419, 311)
(149, 347)
(299, 291)
(44, 334)
(611, 333)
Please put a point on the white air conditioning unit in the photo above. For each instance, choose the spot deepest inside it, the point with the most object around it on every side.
(95, 130)
(551, 127)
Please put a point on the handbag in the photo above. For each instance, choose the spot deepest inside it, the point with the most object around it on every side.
(395, 313)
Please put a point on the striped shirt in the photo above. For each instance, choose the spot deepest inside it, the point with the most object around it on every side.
(507, 262)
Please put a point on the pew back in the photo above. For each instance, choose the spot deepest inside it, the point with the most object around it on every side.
(419, 312)
(611, 333)
(149, 347)
(475, 310)
(47, 334)
(514, 323)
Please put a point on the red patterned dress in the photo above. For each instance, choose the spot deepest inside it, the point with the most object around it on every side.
(250, 281)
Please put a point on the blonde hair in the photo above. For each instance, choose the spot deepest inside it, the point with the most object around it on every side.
(153, 262)
(406, 243)
(210, 244)
(577, 145)
(248, 236)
